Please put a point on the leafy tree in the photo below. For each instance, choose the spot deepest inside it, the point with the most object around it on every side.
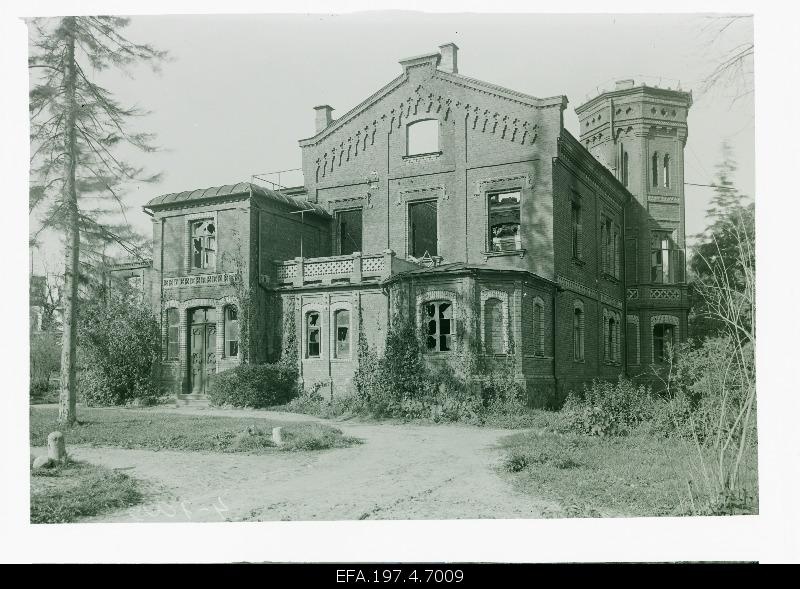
(718, 254)
(77, 132)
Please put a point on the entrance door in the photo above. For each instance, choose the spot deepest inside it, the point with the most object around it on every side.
(202, 347)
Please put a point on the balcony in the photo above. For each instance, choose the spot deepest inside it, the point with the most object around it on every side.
(356, 268)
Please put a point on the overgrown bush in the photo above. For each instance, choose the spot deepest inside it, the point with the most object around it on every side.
(253, 385)
(120, 345)
(607, 409)
(45, 360)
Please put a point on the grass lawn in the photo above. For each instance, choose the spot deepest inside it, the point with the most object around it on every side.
(615, 476)
(129, 428)
(65, 493)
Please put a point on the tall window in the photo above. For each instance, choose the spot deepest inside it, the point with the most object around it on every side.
(349, 231)
(312, 335)
(661, 270)
(204, 244)
(538, 328)
(439, 328)
(231, 331)
(341, 320)
(504, 229)
(625, 168)
(632, 342)
(654, 169)
(610, 253)
(663, 339)
(612, 339)
(666, 171)
(422, 228)
(422, 137)
(493, 326)
(577, 232)
(173, 332)
(577, 332)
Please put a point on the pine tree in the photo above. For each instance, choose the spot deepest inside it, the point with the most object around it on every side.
(77, 130)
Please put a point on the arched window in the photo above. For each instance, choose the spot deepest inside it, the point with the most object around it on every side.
(666, 171)
(204, 244)
(341, 320)
(438, 316)
(577, 332)
(422, 137)
(663, 340)
(173, 333)
(312, 335)
(538, 328)
(231, 331)
(493, 326)
(609, 347)
(654, 169)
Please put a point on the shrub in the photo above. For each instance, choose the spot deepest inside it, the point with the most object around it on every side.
(120, 345)
(253, 385)
(607, 409)
(45, 359)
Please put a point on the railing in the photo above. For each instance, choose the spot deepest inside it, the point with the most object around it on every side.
(281, 179)
(349, 269)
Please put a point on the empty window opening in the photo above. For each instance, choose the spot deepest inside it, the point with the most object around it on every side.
(439, 326)
(312, 335)
(422, 137)
(423, 232)
(349, 231)
(504, 226)
(204, 245)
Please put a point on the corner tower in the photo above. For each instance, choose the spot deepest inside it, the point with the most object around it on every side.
(639, 133)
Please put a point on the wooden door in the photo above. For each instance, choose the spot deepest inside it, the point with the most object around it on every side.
(202, 348)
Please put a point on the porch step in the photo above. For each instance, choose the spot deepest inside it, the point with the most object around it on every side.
(192, 400)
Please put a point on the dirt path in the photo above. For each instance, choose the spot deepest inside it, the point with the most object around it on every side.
(400, 472)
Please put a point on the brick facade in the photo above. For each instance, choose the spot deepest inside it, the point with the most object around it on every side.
(531, 232)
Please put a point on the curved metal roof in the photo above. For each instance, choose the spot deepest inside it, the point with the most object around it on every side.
(241, 188)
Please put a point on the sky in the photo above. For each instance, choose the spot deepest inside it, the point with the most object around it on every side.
(238, 91)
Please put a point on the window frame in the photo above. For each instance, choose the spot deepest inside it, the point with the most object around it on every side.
(308, 329)
(662, 338)
(227, 322)
(576, 230)
(337, 354)
(175, 311)
(437, 335)
(337, 215)
(205, 263)
(578, 332)
(410, 231)
(489, 226)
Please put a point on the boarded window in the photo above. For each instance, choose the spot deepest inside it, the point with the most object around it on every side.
(312, 335)
(349, 231)
(439, 326)
(173, 333)
(342, 323)
(504, 226)
(422, 137)
(231, 331)
(422, 229)
(204, 245)
(493, 326)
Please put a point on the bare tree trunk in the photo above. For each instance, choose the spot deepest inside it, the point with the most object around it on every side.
(68, 393)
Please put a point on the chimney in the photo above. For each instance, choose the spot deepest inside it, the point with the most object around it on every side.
(323, 116)
(449, 52)
(624, 84)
